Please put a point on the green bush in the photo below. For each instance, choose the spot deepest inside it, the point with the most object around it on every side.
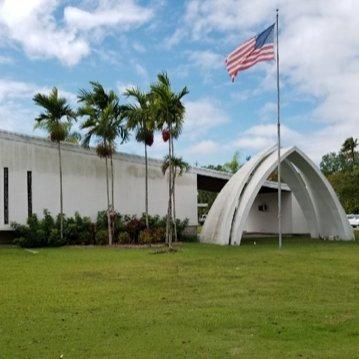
(146, 236)
(124, 238)
(133, 227)
(101, 237)
(159, 234)
(46, 231)
(181, 225)
(78, 230)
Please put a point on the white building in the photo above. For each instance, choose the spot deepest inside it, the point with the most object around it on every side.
(29, 183)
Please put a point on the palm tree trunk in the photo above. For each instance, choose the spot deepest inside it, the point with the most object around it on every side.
(146, 186)
(108, 207)
(171, 194)
(112, 185)
(174, 205)
(112, 199)
(61, 195)
(174, 196)
(169, 209)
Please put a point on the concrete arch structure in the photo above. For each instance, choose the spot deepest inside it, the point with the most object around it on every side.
(322, 210)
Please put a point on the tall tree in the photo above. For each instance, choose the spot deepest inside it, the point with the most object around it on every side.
(140, 118)
(332, 162)
(169, 112)
(56, 121)
(348, 148)
(231, 167)
(103, 123)
(342, 171)
(179, 167)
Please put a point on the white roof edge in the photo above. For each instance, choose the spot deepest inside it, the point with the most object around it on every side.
(41, 141)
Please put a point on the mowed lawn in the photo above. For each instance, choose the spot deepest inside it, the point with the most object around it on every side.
(204, 301)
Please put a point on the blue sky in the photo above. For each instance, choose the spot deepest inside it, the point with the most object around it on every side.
(46, 43)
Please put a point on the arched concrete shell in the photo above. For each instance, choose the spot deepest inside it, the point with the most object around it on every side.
(322, 210)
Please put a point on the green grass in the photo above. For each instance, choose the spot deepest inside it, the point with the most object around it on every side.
(204, 301)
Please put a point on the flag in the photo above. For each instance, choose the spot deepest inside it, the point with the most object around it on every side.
(256, 49)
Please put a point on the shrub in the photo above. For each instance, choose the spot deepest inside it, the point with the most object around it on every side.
(55, 238)
(133, 227)
(101, 237)
(101, 220)
(146, 236)
(181, 225)
(124, 238)
(190, 239)
(159, 234)
(81, 230)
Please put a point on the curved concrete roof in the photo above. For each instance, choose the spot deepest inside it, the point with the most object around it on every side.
(321, 208)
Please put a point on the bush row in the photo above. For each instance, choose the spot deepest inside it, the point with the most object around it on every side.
(78, 230)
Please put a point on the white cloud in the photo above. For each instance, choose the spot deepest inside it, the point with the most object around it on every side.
(108, 13)
(315, 144)
(203, 115)
(122, 87)
(319, 57)
(203, 148)
(207, 60)
(141, 70)
(32, 24)
(262, 136)
(268, 111)
(5, 59)
(17, 110)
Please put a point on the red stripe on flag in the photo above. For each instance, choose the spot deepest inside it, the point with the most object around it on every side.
(241, 47)
(251, 56)
(246, 56)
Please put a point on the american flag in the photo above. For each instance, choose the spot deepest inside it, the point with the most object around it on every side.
(256, 49)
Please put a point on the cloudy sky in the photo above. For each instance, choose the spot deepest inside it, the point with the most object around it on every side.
(63, 43)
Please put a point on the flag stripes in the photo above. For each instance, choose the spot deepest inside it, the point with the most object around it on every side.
(256, 49)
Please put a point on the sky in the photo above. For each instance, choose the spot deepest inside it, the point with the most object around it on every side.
(124, 43)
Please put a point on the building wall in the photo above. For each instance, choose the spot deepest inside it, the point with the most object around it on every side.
(299, 224)
(84, 181)
(293, 220)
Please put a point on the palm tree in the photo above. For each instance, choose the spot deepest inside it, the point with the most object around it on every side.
(179, 167)
(56, 121)
(169, 112)
(73, 137)
(140, 118)
(104, 123)
(349, 147)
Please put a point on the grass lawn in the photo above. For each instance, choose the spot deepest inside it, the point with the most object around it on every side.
(204, 301)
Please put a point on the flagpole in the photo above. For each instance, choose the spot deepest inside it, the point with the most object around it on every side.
(278, 147)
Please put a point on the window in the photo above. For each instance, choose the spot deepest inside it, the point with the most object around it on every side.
(263, 208)
(6, 195)
(29, 193)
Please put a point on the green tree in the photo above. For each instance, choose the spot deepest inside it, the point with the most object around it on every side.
(346, 185)
(230, 167)
(348, 149)
(73, 137)
(179, 167)
(56, 121)
(104, 123)
(331, 163)
(140, 119)
(233, 165)
(169, 112)
(342, 171)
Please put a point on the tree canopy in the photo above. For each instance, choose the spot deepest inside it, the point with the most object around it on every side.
(342, 170)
